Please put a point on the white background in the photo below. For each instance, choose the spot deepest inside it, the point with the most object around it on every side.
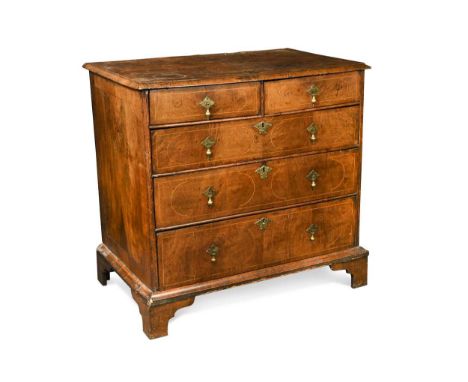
(409, 323)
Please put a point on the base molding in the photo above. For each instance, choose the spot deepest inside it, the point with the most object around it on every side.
(158, 307)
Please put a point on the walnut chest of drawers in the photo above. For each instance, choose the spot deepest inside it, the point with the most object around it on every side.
(218, 170)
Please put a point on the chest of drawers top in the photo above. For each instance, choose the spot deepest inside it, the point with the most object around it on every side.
(215, 170)
(210, 69)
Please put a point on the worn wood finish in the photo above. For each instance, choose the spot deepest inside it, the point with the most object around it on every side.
(172, 294)
(160, 297)
(183, 105)
(184, 257)
(356, 268)
(180, 199)
(291, 95)
(360, 154)
(178, 149)
(155, 176)
(124, 170)
(155, 73)
(156, 318)
(108, 261)
(103, 269)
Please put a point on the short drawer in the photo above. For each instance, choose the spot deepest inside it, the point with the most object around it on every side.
(309, 92)
(215, 250)
(169, 106)
(203, 195)
(218, 143)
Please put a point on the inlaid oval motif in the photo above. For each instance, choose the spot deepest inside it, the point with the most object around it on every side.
(187, 198)
(181, 198)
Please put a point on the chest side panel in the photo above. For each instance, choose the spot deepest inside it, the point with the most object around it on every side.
(124, 175)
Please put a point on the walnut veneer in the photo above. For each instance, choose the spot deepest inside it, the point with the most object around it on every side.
(217, 170)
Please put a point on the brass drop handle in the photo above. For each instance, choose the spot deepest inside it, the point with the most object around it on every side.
(263, 171)
(210, 193)
(313, 176)
(208, 143)
(312, 231)
(207, 103)
(313, 92)
(213, 251)
(312, 130)
(263, 223)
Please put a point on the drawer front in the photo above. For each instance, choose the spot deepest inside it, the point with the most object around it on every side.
(170, 106)
(204, 195)
(294, 94)
(227, 142)
(215, 250)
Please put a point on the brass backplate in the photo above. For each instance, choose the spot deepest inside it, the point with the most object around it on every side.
(313, 90)
(263, 171)
(207, 102)
(263, 127)
(263, 223)
(312, 175)
(208, 142)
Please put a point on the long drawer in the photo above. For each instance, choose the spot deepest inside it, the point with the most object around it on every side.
(191, 147)
(203, 195)
(215, 250)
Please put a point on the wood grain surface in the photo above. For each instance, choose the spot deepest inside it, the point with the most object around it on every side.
(357, 268)
(180, 198)
(291, 95)
(184, 258)
(124, 170)
(160, 297)
(178, 149)
(183, 105)
(162, 72)
(156, 318)
(164, 202)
